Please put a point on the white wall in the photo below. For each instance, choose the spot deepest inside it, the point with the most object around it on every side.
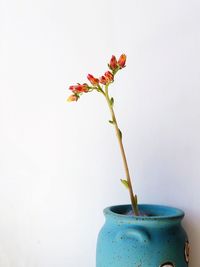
(60, 163)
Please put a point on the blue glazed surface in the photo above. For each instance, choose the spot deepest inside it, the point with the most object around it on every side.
(157, 240)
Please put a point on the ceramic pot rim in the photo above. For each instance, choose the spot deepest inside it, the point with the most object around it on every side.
(156, 212)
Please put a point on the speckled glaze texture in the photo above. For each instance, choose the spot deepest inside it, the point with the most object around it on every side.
(157, 240)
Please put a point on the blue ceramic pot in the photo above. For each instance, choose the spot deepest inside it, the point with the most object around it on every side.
(157, 240)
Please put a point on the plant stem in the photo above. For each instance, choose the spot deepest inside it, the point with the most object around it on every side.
(133, 197)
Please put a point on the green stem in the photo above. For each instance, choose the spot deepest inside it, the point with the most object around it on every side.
(133, 197)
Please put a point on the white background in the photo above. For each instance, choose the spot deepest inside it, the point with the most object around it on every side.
(59, 162)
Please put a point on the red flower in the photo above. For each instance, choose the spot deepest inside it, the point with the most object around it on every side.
(109, 76)
(113, 63)
(103, 80)
(79, 88)
(93, 80)
(122, 61)
(72, 98)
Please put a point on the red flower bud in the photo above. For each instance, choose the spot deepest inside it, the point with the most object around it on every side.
(72, 98)
(79, 88)
(93, 80)
(109, 76)
(122, 61)
(72, 87)
(103, 80)
(113, 63)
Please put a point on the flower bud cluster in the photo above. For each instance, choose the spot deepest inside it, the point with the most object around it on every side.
(105, 79)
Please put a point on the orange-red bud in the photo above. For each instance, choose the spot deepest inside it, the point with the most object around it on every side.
(103, 80)
(113, 63)
(93, 80)
(122, 61)
(72, 98)
(79, 88)
(109, 76)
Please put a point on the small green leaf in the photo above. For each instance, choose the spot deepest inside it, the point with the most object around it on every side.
(110, 121)
(120, 133)
(112, 101)
(125, 183)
